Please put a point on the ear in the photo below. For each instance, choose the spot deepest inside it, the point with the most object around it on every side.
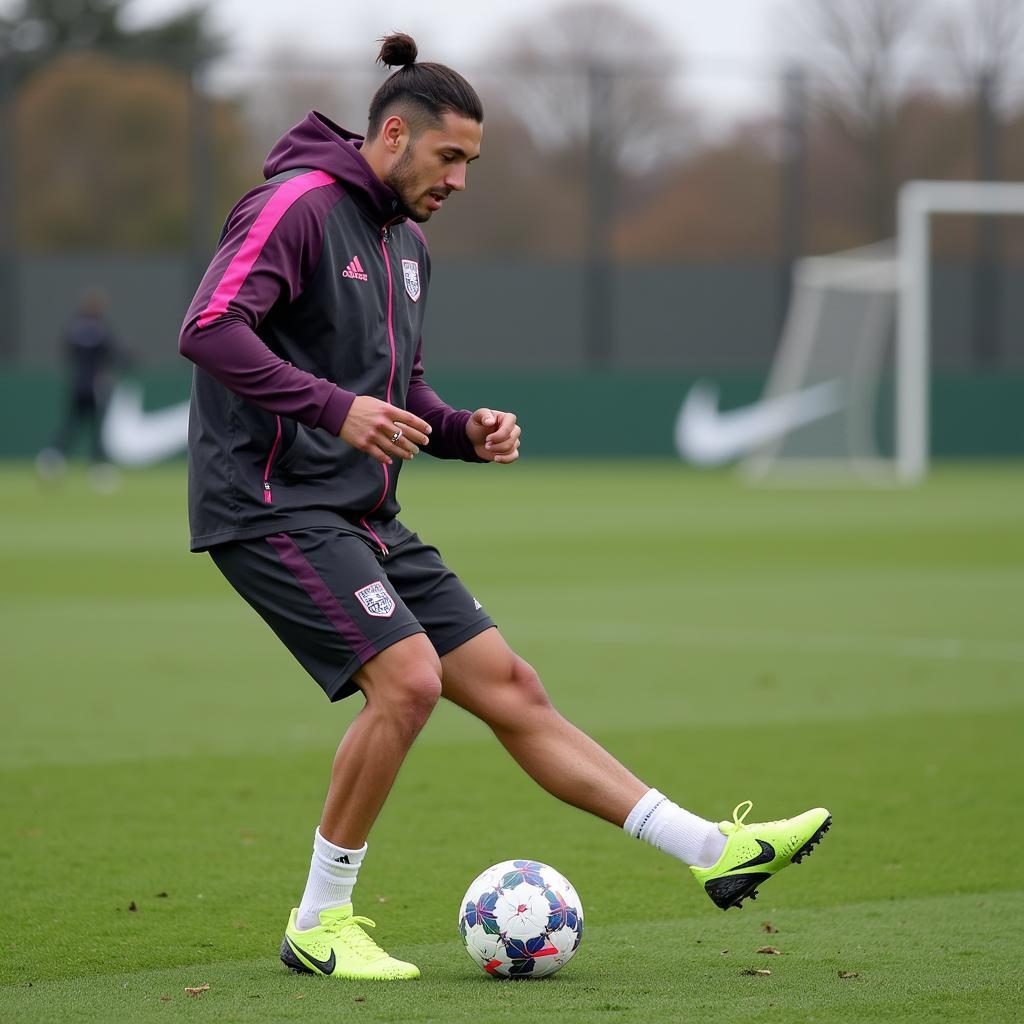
(392, 132)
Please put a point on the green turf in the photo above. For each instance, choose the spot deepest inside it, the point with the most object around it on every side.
(863, 649)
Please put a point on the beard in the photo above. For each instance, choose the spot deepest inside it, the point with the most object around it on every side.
(401, 179)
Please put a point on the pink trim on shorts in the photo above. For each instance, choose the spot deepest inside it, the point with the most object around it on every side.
(309, 579)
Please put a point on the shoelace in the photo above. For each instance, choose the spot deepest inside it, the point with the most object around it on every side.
(356, 939)
(740, 819)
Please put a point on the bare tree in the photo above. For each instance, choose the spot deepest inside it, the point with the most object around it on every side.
(286, 83)
(592, 84)
(859, 56)
(985, 41)
(594, 63)
(33, 32)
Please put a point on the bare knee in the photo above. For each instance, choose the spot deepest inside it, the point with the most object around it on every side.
(526, 685)
(403, 683)
(418, 690)
(516, 698)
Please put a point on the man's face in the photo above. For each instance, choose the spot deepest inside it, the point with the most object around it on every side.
(433, 165)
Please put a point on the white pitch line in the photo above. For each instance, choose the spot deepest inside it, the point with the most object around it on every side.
(936, 648)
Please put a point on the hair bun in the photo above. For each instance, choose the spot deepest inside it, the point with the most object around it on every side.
(397, 50)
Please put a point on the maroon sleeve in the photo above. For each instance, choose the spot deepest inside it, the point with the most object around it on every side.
(269, 249)
(448, 439)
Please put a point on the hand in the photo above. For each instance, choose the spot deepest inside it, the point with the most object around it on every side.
(371, 425)
(494, 435)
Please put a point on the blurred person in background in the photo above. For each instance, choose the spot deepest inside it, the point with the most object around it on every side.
(308, 395)
(90, 352)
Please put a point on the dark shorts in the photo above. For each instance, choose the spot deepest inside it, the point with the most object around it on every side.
(335, 603)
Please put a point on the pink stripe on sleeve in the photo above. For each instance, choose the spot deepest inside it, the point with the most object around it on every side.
(249, 251)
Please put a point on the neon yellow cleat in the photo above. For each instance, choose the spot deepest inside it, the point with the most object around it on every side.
(755, 852)
(339, 948)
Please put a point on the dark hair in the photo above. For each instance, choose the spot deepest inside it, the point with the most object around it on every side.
(426, 90)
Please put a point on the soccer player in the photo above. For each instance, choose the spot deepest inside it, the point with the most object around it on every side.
(91, 351)
(309, 393)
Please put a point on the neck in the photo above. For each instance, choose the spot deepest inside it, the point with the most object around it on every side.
(375, 155)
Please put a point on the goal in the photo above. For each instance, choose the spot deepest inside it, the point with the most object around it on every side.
(859, 326)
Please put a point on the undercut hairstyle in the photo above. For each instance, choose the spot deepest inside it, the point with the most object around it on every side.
(420, 93)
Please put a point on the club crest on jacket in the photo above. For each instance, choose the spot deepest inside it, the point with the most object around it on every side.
(411, 273)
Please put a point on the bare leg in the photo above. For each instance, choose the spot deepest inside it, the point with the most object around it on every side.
(401, 685)
(486, 678)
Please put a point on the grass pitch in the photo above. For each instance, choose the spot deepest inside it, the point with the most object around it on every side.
(163, 761)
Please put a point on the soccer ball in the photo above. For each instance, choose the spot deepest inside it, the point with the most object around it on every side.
(521, 919)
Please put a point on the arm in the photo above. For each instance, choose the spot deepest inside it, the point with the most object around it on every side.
(482, 436)
(269, 248)
(448, 438)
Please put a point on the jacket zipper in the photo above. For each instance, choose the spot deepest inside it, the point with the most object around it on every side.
(267, 496)
(391, 379)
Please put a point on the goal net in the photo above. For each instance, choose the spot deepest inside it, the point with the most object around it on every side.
(834, 365)
(854, 352)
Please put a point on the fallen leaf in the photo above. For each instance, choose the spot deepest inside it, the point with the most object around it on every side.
(770, 950)
(767, 926)
(759, 971)
(382, 899)
(132, 906)
(360, 999)
(300, 996)
(724, 952)
(161, 895)
(165, 999)
(198, 990)
(849, 974)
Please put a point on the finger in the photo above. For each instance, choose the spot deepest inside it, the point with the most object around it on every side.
(378, 453)
(408, 422)
(506, 456)
(410, 434)
(485, 417)
(508, 433)
(504, 439)
(504, 424)
(403, 448)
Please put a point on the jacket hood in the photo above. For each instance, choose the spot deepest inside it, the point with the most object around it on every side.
(317, 143)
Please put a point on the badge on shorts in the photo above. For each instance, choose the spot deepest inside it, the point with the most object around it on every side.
(411, 273)
(376, 600)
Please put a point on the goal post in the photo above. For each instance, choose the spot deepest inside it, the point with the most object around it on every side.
(858, 319)
(918, 202)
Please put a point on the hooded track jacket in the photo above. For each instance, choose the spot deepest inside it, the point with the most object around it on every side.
(316, 294)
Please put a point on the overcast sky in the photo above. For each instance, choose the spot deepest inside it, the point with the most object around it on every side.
(736, 28)
(731, 48)
(720, 39)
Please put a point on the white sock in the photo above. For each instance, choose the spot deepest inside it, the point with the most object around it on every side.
(658, 821)
(332, 876)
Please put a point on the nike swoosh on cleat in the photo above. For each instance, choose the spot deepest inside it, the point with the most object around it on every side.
(766, 855)
(327, 966)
